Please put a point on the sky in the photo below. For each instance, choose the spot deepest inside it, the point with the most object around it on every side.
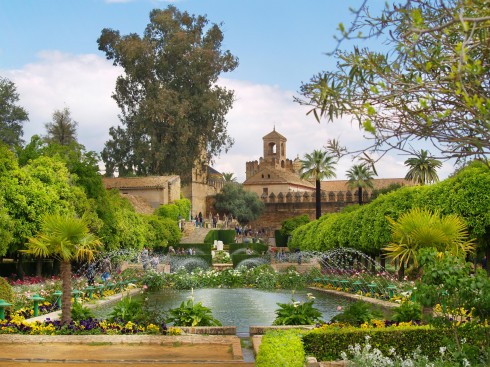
(48, 48)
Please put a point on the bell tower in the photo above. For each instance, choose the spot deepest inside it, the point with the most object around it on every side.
(275, 149)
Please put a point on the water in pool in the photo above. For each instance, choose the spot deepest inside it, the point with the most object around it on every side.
(242, 307)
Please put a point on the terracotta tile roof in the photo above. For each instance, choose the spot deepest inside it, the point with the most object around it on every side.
(379, 183)
(277, 177)
(138, 182)
(274, 135)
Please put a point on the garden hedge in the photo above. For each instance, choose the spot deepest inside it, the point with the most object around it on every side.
(227, 236)
(281, 348)
(327, 345)
(281, 239)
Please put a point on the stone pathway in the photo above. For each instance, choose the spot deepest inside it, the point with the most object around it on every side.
(193, 234)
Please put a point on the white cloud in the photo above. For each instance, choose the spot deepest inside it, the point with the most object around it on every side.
(85, 83)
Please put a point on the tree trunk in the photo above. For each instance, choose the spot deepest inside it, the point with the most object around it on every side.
(39, 267)
(19, 267)
(382, 261)
(401, 271)
(66, 289)
(318, 196)
(359, 191)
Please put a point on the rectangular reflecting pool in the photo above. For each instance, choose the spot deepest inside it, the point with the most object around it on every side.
(240, 307)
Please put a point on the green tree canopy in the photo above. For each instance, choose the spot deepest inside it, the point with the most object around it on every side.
(318, 166)
(12, 117)
(63, 129)
(171, 107)
(244, 205)
(429, 83)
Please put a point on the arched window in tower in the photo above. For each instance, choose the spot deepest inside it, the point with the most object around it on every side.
(282, 164)
(282, 149)
(272, 148)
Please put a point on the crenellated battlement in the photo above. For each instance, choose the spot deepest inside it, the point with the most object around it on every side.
(308, 197)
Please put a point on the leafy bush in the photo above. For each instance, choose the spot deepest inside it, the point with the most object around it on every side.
(368, 356)
(281, 348)
(6, 293)
(289, 225)
(328, 344)
(172, 211)
(80, 312)
(127, 309)
(281, 240)
(153, 280)
(221, 257)
(192, 314)
(298, 313)
(357, 313)
(408, 311)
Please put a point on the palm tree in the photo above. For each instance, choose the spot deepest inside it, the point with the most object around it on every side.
(63, 129)
(360, 177)
(420, 228)
(422, 168)
(228, 177)
(65, 238)
(318, 166)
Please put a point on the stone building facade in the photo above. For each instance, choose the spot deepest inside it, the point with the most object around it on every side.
(276, 180)
(155, 190)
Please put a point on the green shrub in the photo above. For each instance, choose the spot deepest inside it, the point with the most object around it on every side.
(192, 314)
(297, 313)
(170, 211)
(6, 293)
(357, 313)
(153, 280)
(281, 240)
(281, 348)
(408, 311)
(221, 257)
(327, 344)
(80, 312)
(127, 309)
(227, 236)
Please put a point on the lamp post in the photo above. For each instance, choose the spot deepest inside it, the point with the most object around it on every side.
(3, 305)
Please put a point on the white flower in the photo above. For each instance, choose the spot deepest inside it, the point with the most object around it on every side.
(442, 350)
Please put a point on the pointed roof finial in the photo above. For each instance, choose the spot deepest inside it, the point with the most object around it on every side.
(274, 127)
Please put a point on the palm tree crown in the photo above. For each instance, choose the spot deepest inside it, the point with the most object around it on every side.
(318, 166)
(360, 177)
(422, 168)
(65, 238)
(228, 177)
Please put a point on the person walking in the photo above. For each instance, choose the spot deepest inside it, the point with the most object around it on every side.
(106, 269)
(90, 273)
(200, 219)
(145, 258)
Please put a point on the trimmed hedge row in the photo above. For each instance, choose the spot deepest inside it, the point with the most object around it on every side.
(326, 345)
(281, 239)
(227, 236)
(281, 348)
